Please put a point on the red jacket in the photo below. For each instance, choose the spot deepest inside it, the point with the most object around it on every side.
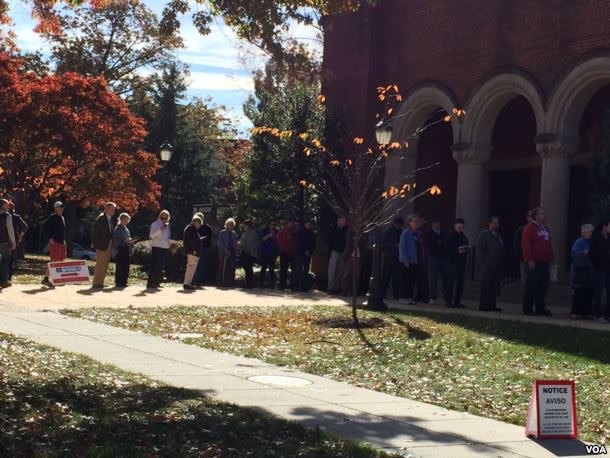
(287, 240)
(536, 244)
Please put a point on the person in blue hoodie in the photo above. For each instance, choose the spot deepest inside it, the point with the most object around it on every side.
(407, 255)
(581, 275)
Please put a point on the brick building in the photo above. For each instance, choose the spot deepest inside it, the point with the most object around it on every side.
(533, 76)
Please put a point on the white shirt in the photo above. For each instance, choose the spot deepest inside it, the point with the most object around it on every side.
(160, 238)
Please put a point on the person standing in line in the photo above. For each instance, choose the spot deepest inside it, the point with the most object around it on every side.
(192, 250)
(227, 254)
(537, 250)
(408, 258)
(20, 227)
(101, 242)
(436, 257)
(269, 253)
(517, 249)
(160, 234)
(287, 243)
(305, 246)
(391, 270)
(491, 257)
(581, 275)
(55, 229)
(337, 241)
(421, 270)
(8, 243)
(122, 250)
(206, 235)
(457, 247)
(600, 258)
(249, 249)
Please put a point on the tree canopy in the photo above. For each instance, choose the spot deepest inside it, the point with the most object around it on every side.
(69, 136)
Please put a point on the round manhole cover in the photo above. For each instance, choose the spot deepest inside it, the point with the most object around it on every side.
(280, 380)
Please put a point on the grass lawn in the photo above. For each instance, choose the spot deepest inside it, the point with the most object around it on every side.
(478, 365)
(58, 404)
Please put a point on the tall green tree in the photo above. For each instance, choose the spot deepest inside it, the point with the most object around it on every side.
(117, 41)
(270, 186)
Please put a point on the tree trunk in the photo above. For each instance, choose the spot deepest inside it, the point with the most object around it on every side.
(355, 277)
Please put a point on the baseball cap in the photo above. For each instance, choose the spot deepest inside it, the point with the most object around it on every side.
(58, 204)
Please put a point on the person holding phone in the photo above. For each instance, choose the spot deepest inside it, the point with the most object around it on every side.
(122, 249)
(457, 248)
(160, 234)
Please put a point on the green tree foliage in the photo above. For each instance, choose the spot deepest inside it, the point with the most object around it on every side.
(599, 175)
(270, 185)
(114, 41)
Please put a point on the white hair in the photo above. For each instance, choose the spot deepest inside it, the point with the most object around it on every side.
(229, 221)
(587, 227)
(124, 215)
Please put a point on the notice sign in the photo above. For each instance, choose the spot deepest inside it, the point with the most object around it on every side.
(552, 410)
(69, 272)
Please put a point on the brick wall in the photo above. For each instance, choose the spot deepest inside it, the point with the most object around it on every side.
(457, 43)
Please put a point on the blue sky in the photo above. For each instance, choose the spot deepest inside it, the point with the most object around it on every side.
(215, 66)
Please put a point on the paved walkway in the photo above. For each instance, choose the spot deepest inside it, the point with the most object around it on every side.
(388, 422)
(36, 297)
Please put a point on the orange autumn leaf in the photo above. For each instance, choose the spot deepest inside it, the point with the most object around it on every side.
(358, 140)
(447, 118)
(395, 145)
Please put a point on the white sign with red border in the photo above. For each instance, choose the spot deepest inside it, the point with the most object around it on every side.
(552, 410)
(69, 272)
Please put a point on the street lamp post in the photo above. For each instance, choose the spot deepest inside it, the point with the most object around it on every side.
(165, 153)
(375, 299)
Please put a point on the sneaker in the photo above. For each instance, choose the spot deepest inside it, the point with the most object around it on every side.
(188, 287)
(46, 282)
(6, 284)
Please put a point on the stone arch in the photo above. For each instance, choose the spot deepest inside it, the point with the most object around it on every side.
(486, 103)
(418, 105)
(570, 98)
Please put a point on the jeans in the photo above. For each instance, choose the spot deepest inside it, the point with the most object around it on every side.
(536, 286)
(155, 276)
(601, 281)
(268, 262)
(247, 262)
(286, 260)
(121, 271)
(409, 276)
(391, 271)
(301, 267)
(434, 276)
(5, 261)
(199, 277)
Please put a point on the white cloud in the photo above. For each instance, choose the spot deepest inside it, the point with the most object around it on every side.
(219, 82)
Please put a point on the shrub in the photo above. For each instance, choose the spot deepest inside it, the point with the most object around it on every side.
(175, 265)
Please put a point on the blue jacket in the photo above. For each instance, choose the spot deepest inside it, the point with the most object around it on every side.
(269, 247)
(407, 249)
(582, 267)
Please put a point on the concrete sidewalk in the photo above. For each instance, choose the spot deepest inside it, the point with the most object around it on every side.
(388, 422)
(35, 298)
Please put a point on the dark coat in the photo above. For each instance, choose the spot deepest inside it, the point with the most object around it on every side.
(453, 241)
(102, 233)
(306, 241)
(600, 252)
(206, 235)
(192, 242)
(55, 228)
(391, 241)
(490, 249)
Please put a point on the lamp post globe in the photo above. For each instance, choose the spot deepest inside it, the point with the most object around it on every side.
(165, 152)
(383, 132)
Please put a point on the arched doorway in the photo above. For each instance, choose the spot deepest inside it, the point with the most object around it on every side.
(593, 126)
(435, 166)
(514, 171)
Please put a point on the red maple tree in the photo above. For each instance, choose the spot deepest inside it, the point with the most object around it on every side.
(68, 135)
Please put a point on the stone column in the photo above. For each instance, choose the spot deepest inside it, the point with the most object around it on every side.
(470, 187)
(555, 194)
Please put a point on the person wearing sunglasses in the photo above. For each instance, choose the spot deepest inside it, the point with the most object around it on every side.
(160, 234)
